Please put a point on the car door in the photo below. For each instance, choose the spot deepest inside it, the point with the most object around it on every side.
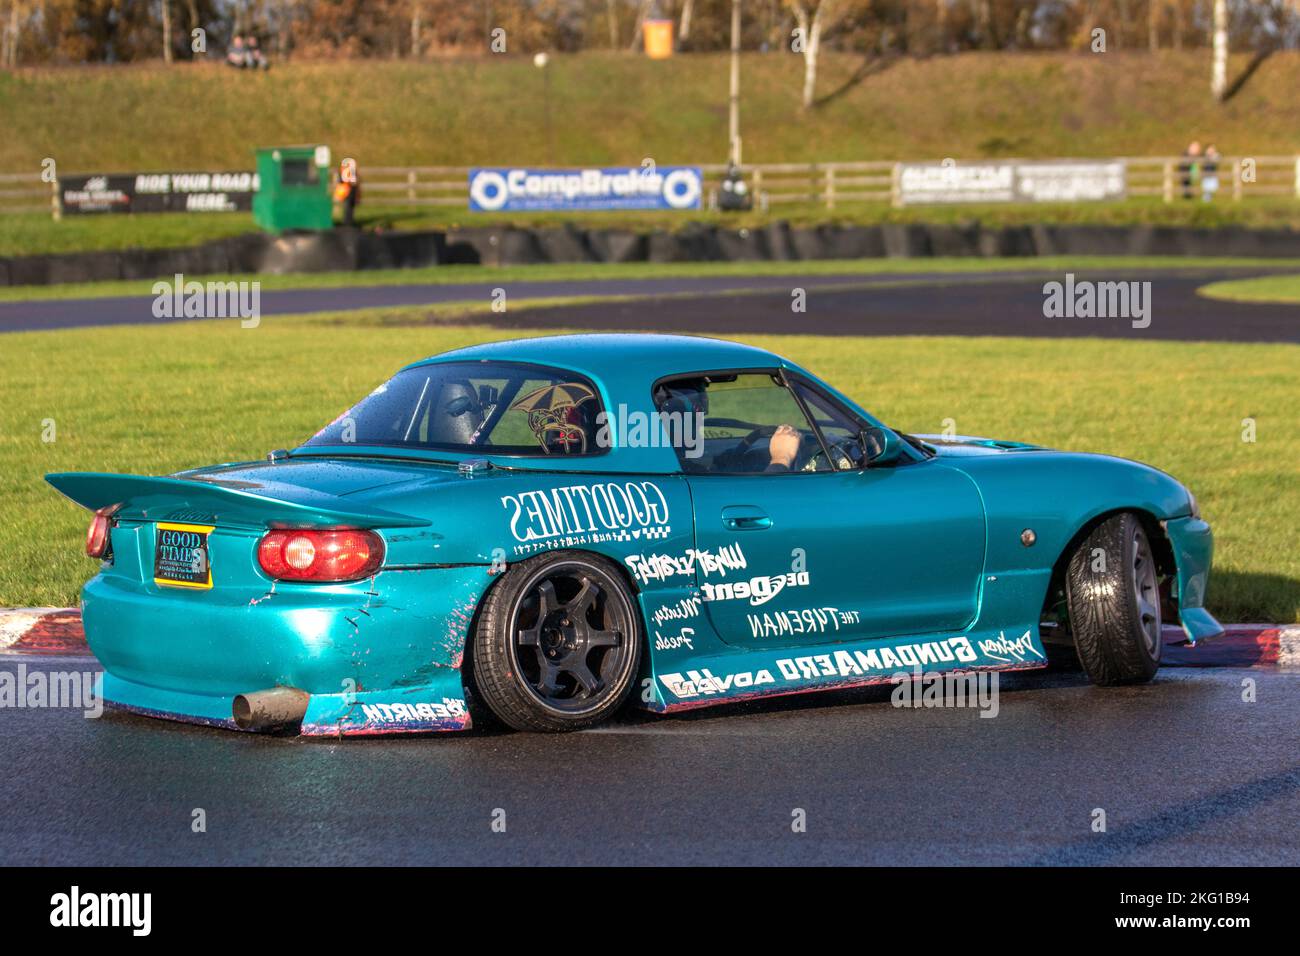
(815, 553)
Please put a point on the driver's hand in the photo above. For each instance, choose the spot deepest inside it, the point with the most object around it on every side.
(784, 446)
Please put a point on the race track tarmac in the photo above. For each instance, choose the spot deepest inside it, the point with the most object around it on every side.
(988, 307)
(1186, 772)
(896, 304)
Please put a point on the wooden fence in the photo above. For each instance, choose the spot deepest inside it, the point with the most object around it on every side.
(773, 184)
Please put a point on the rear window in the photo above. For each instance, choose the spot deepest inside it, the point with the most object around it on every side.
(490, 407)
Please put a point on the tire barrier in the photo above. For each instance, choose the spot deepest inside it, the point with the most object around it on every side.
(352, 249)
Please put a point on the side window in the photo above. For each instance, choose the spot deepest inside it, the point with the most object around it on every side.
(841, 430)
(750, 422)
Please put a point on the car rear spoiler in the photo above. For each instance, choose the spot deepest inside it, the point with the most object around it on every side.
(251, 504)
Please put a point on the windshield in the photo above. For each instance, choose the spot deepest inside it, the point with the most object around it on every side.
(489, 407)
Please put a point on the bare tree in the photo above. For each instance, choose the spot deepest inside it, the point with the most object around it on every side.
(684, 22)
(1219, 69)
(814, 18)
(167, 31)
(642, 14)
(9, 39)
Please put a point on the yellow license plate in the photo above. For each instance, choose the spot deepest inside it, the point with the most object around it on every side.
(180, 558)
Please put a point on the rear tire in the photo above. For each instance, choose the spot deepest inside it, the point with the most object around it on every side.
(558, 644)
(1113, 591)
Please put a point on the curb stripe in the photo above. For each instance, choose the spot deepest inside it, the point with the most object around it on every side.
(57, 632)
(50, 631)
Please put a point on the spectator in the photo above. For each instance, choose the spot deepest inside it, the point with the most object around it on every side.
(1190, 167)
(235, 55)
(256, 61)
(348, 190)
(1210, 173)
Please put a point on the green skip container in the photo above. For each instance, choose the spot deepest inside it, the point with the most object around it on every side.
(293, 188)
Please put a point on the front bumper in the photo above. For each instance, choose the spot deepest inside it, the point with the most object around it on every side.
(1193, 546)
(376, 656)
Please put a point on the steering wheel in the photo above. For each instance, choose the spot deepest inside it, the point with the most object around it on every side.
(745, 444)
(846, 449)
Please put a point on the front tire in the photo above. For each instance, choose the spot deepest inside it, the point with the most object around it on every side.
(558, 644)
(1113, 591)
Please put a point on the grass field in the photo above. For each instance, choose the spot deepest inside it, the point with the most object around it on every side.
(619, 108)
(155, 399)
(556, 272)
(1285, 289)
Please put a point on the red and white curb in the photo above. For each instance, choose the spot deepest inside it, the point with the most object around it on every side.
(52, 631)
(57, 632)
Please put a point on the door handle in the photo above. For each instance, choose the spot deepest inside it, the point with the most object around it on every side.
(745, 518)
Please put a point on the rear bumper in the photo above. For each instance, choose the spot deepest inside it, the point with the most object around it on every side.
(437, 706)
(377, 656)
(1193, 546)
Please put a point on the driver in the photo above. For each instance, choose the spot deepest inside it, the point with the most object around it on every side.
(690, 397)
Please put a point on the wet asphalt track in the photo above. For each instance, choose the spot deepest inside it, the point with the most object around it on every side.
(1186, 772)
(899, 304)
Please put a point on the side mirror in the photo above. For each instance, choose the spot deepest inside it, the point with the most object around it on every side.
(880, 446)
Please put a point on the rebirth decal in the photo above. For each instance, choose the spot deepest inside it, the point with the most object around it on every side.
(449, 709)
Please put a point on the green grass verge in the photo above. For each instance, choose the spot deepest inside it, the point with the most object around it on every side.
(1283, 289)
(556, 272)
(155, 399)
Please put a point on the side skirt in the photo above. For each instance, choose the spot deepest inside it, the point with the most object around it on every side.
(704, 680)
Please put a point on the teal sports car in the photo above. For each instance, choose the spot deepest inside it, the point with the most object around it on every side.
(544, 530)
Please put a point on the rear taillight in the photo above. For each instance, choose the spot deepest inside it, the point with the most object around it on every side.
(335, 555)
(97, 539)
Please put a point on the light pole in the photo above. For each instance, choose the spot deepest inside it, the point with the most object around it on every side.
(733, 131)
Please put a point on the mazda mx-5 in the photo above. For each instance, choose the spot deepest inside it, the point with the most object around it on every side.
(547, 529)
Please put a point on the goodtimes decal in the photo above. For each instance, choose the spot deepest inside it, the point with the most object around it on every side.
(587, 514)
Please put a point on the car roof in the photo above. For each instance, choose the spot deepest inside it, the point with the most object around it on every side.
(607, 356)
(624, 367)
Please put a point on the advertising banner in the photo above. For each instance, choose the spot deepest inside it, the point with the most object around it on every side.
(508, 189)
(158, 192)
(994, 182)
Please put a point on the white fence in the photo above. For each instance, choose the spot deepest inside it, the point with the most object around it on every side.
(25, 192)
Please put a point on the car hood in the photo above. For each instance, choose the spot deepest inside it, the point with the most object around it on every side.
(959, 446)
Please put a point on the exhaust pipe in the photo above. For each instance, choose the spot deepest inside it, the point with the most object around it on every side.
(270, 709)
